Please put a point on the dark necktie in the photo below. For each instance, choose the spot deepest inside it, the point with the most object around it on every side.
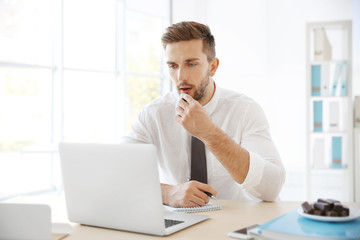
(198, 161)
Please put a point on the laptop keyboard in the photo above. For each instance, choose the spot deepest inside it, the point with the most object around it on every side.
(171, 222)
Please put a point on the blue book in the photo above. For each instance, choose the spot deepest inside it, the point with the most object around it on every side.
(315, 80)
(343, 79)
(336, 79)
(318, 112)
(336, 153)
(293, 226)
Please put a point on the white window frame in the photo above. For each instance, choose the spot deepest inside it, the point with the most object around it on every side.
(57, 68)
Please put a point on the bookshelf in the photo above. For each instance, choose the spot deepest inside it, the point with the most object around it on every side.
(329, 118)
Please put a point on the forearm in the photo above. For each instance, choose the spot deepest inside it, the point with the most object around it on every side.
(165, 193)
(232, 156)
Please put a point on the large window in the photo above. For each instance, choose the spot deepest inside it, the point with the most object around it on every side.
(72, 70)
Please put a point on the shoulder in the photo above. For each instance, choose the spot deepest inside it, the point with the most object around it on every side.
(168, 100)
(164, 104)
(236, 99)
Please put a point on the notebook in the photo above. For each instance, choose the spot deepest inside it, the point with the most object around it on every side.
(117, 186)
(207, 207)
(293, 226)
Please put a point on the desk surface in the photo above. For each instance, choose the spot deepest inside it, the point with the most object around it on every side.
(234, 215)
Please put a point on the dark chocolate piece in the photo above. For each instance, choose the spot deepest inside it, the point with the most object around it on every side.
(333, 200)
(318, 212)
(331, 214)
(322, 206)
(327, 201)
(307, 208)
(338, 207)
(346, 211)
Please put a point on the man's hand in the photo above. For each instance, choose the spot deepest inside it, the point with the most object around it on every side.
(193, 117)
(188, 194)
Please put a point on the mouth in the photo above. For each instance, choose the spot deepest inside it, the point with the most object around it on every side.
(185, 89)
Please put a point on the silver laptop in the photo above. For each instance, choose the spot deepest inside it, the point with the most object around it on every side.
(117, 186)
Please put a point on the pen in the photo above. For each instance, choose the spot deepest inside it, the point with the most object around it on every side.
(207, 193)
(210, 195)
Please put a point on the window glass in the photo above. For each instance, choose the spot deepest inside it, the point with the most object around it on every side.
(25, 108)
(140, 90)
(25, 122)
(26, 31)
(89, 34)
(154, 7)
(143, 43)
(25, 172)
(89, 106)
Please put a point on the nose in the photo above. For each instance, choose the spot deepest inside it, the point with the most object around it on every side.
(181, 74)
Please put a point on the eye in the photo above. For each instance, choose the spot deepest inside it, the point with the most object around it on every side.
(192, 64)
(172, 66)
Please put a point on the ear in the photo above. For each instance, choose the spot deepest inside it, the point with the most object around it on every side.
(214, 64)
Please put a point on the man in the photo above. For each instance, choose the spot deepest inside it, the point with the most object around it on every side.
(242, 161)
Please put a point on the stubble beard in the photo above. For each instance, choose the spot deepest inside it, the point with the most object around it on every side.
(199, 93)
(201, 90)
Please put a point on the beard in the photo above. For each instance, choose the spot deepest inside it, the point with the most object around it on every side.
(200, 90)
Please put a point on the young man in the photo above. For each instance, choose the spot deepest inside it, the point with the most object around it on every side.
(241, 159)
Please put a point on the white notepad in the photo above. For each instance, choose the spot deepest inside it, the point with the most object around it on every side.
(207, 207)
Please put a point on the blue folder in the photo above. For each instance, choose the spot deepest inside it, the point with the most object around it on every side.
(318, 116)
(336, 153)
(315, 80)
(344, 79)
(295, 226)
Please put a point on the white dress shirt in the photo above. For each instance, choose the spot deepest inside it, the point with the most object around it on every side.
(240, 117)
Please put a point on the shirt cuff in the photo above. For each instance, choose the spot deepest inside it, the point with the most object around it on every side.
(255, 172)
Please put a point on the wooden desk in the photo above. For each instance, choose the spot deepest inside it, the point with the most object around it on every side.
(234, 215)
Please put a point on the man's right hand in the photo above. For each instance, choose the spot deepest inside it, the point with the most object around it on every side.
(188, 194)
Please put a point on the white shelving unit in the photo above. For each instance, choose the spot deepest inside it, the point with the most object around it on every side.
(357, 163)
(330, 162)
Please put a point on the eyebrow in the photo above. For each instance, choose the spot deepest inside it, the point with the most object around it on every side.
(187, 60)
(192, 59)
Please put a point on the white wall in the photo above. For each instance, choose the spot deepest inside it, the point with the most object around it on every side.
(261, 47)
(356, 76)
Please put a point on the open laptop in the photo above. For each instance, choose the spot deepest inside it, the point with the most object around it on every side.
(117, 186)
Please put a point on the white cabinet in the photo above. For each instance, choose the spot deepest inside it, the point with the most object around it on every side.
(330, 162)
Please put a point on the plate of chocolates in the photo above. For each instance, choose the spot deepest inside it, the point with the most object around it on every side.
(328, 210)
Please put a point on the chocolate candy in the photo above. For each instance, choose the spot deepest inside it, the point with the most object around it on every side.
(318, 212)
(333, 200)
(331, 213)
(322, 206)
(338, 207)
(326, 207)
(307, 208)
(327, 201)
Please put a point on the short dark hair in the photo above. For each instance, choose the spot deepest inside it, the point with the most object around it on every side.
(188, 30)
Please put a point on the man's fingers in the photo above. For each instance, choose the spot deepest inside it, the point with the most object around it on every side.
(179, 110)
(202, 195)
(206, 188)
(181, 104)
(187, 98)
(198, 202)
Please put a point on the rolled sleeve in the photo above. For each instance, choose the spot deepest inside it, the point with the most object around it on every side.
(255, 173)
(265, 179)
(266, 173)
